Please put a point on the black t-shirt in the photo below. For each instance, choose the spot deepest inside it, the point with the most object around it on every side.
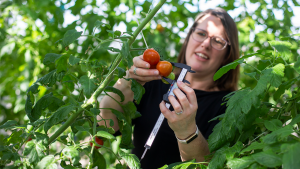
(164, 149)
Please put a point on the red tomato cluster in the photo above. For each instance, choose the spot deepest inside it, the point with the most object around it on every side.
(152, 57)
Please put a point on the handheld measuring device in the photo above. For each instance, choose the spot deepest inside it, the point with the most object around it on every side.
(185, 68)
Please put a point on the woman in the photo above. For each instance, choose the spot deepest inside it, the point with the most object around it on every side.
(211, 43)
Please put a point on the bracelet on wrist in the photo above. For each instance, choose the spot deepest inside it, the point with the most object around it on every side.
(190, 138)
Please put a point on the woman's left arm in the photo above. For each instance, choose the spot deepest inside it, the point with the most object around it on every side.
(184, 124)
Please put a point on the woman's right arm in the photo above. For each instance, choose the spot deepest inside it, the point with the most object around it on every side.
(143, 75)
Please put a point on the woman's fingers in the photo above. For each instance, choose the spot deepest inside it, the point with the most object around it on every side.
(139, 62)
(138, 71)
(176, 105)
(141, 72)
(189, 94)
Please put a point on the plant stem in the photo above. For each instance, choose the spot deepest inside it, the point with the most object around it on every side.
(253, 67)
(137, 49)
(108, 78)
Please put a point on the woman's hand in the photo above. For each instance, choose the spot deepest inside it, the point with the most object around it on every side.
(183, 124)
(140, 71)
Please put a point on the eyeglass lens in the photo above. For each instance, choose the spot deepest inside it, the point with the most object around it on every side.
(216, 42)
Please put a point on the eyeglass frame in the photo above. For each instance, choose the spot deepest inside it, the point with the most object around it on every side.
(194, 28)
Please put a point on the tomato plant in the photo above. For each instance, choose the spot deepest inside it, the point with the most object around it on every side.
(151, 56)
(164, 68)
(98, 140)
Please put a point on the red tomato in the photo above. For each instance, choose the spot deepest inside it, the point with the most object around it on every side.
(164, 68)
(29, 139)
(151, 56)
(98, 141)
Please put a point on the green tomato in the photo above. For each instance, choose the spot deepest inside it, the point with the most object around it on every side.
(170, 76)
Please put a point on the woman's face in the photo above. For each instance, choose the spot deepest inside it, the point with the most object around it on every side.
(201, 56)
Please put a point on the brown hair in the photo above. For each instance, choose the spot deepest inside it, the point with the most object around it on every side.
(229, 81)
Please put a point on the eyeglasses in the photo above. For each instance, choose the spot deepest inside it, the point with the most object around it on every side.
(215, 41)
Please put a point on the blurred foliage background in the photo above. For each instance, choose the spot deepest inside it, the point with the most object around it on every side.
(29, 29)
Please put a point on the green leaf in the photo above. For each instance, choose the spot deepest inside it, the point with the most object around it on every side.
(130, 159)
(9, 123)
(70, 36)
(295, 120)
(218, 159)
(72, 153)
(116, 91)
(118, 33)
(119, 166)
(99, 23)
(98, 160)
(69, 81)
(41, 138)
(73, 60)
(284, 86)
(273, 124)
(121, 72)
(61, 63)
(240, 163)
(10, 156)
(129, 111)
(87, 85)
(95, 111)
(253, 146)
(58, 116)
(47, 162)
(14, 138)
(277, 74)
(33, 89)
(78, 122)
(282, 47)
(47, 101)
(138, 90)
(110, 33)
(29, 103)
(82, 128)
(125, 129)
(126, 56)
(34, 151)
(50, 58)
(51, 78)
(268, 159)
(231, 151)
(290, 158)
(219, 117)
(223, 70)
(297, 65)
(252, 75)
(105, 134)
(278, 135)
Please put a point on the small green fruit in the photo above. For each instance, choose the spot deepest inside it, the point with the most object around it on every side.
(170, 76)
